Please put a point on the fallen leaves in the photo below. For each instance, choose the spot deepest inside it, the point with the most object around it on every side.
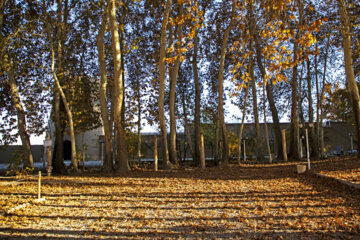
(247, 202)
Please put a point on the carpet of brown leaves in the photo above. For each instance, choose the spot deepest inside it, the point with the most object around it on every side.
(348, 170)
(247, 201)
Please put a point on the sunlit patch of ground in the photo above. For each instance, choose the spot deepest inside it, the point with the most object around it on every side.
(346, 170)
(267, 201)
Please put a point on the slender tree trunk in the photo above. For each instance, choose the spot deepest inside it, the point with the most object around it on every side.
(225, 146)
(318, 106)
(122, 147)
(321, 129)
(24, 136)
(122, 158)
(197, 101)
(162, 69)
(300, 109)
(270, 97)
(217, 141)
(58, 155)
(312, 136)
(187, 128)
(269, 88)
(139, 121)
(241, 130)
(259, 149)
(349, 68)
(174, 71)
(108, 163)
(74, 160)
(294, 150)
(266, 127)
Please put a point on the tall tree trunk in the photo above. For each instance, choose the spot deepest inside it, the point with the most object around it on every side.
(321, 129)
(58, 87)
(108, 161)
(300, 109)
(241, 130)
(318, 106)
(58, 154)
(187, 128)
(259, 149)
(217, 141)
(139, 121)
(24, 136)
(270, 97)
(173, 80)
(349, 68)
(258, 144)
(312, 136)
(162, 69)
(294, 150)
(266, 127)
(74, 161)
(225, 145)
(122, 158)
(197, 101)
(174, 71)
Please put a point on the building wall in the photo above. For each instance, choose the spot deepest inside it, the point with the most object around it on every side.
(8, 153)
(336, 136)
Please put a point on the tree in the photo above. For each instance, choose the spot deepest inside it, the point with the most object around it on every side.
(58, 87)
(162, 76)
(21, 86)
(8, 66)
(349, 67)
(312, 136)
(294, 150)
(108, 161)
(225, 150)
(173, 75)
(259, 143)
(25, 139)
(122, 160)
(337, 106)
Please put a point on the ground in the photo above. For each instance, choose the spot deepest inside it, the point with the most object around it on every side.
(239, 202)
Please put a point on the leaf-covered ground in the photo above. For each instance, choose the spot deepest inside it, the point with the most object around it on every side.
(248, 201)
(348, 170)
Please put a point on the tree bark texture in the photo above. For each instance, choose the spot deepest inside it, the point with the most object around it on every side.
(312, 136)
(24, 136)
(259, 142)
(174, 71)
(187, 128)
(74, 161)
(162, 70)
(294, 121)
(349, 68)
(122, 158)
(241, 130)
(258, 146)
(197, 102)
(270, 97)
(225, 145)
(266, 127)
(139, 122)
(108, 161)
(58, 87)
